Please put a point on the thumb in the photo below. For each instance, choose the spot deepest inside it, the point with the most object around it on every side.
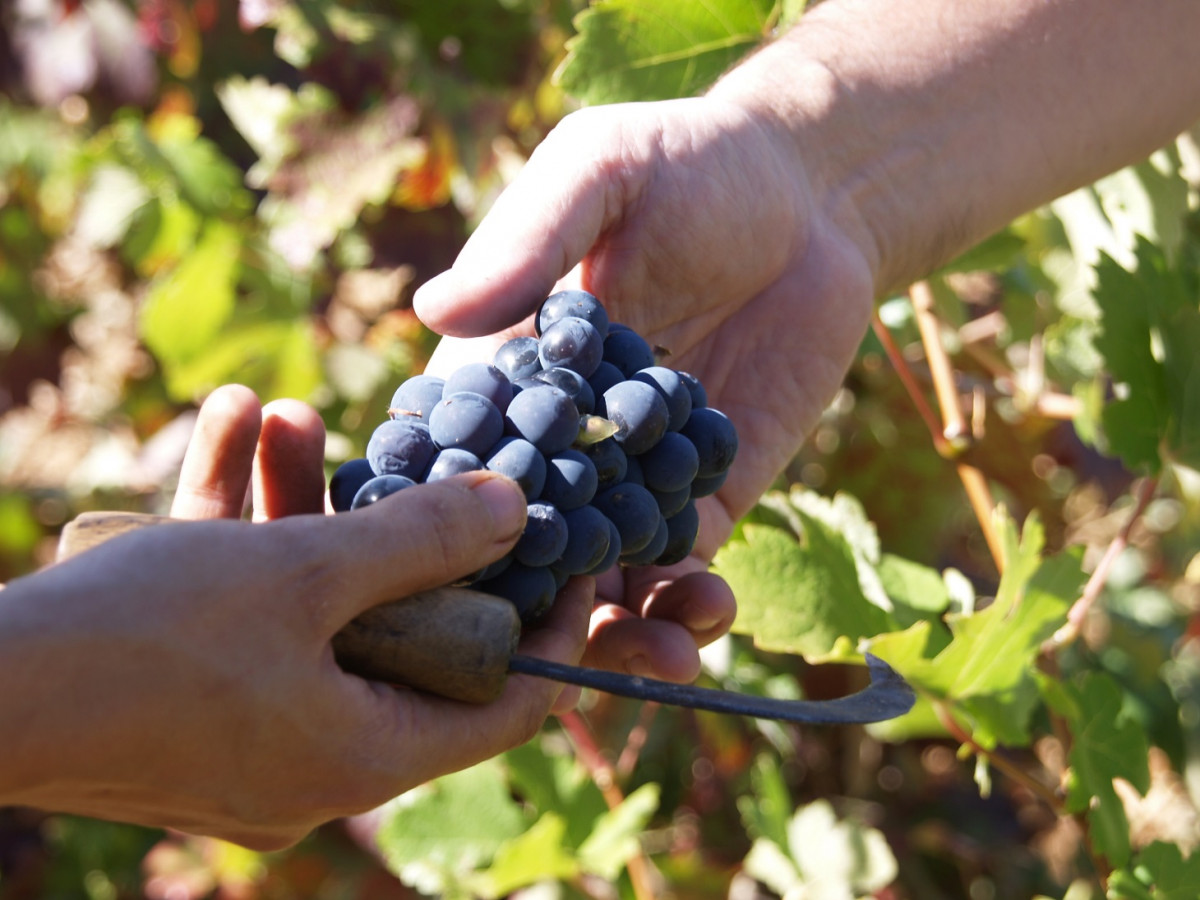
(539, 228)
(422, 537)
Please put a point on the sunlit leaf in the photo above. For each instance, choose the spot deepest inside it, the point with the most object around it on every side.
(1105, 744)
(659, 49)
(1159, 872)
(537, 855)
(614, 838)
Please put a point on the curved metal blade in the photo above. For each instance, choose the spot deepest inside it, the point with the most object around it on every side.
(887, 696)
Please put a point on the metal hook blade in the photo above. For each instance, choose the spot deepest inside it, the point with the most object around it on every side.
(887, 696)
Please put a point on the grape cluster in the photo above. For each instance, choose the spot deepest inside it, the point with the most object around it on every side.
(611, 449)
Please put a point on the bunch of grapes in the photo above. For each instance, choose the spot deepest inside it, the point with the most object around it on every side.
(611, 449)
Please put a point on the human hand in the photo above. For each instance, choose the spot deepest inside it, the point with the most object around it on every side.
(182, 676)
(696, 224)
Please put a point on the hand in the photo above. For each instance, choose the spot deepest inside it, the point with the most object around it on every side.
(181, 676)
(695, 224)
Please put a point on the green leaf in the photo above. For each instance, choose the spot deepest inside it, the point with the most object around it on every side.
(1160, 872)
(798, 596)
(1105, 745)
(558, 783)
(916, 591)
(186, 309)
(659, 49)
(766, 811)
(1149, 336)
(442, 831)
(537, 855)
(614, 839)
(985, 668)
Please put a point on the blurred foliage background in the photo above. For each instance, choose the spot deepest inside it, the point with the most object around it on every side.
(194, 192)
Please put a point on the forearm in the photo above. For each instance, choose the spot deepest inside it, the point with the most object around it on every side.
(925, 126)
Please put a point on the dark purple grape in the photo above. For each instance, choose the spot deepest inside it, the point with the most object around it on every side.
(570, 480)
(401, 447)
(415, 397)
(696, 389)
(379, 487)
(579, 304)
(544, 416)
(610, 461)
(518, 358)
(520, 461)
(640, 414)
(587, 540)
(668, 383)
(715, 438)
(452, 461)
(682, 529)
(530, 589)
(671, 464)
(633, 471)
(572, 344)
(613, 554)
(572, 383)
(648, 554)
(483, 379)
(346, 480)
(468, 421)
(628, 351)
(704, 486)
(605, 376)
(544, 538)
(632, 509)
(671, 502)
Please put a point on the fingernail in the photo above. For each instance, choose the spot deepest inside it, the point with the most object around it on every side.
(506, 502)
(698, 621)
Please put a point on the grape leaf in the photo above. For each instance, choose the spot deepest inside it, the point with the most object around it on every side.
(1160, 872)
(614, 839)
(1106, 744)
(537, 855)
(446, 829)
(186, 308)
(659, 49)
(558, 783)
(798, 596)
(984, 669)
(1150, 329)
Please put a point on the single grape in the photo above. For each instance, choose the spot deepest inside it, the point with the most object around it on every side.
(605, 376)
(671, 464)
(673, 390)
(695, 389)
(613, 554)
(544, 416)
(530, 589)
(572, 344)
(520, 461)
(632, 509)
(610, 461)
(715, 438)
(650, 553)
(640, 414)
(415, 397)
(570, 480)
(452, 461)
(704, 486)
(379, 487)
(572, 383)
(483, 379)
(466, 420)
(401, 447)
(579, 304)
(628, 351)
(633, 471)
(518, 358)
(544, 538)
(671, 502)
(587, 540)
(346, 480)
(682, 529)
